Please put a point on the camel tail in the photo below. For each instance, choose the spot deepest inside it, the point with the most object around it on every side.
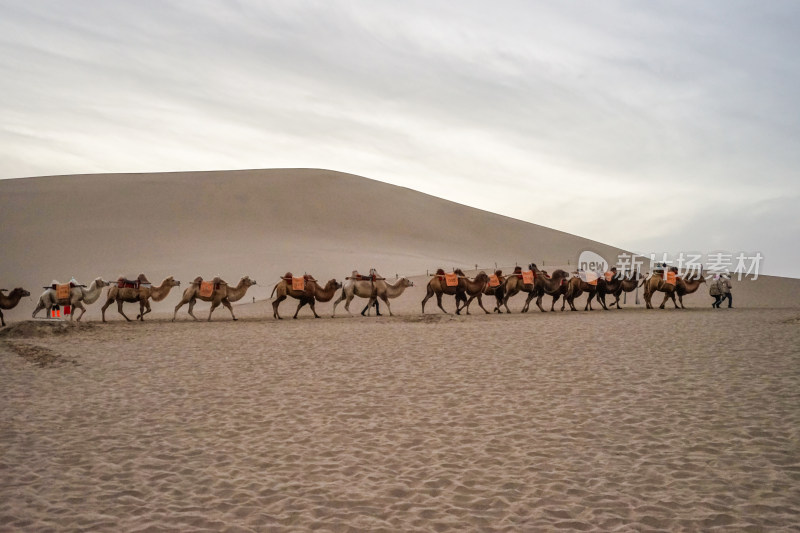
(273, 290)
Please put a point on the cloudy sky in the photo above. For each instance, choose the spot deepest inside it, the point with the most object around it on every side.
(654, 126)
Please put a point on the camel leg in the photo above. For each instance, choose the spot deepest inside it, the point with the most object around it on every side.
(553, 305)
(311, 304)
(275, 304)
(2, 320)
(666, 297)
(680, 299)
(142, 306)
(103, 310)
(39, 307)
(427, 297)
(180, 304)
(571, 302)
(589, 302)
(337, 302)
(602, 299)
(119, 310)
(528, 302)
(226, 303)
(439, 302)
(77, 306)
(480, 303)
(505, 303)
(300, 304)
(386, 301)
(539, 303)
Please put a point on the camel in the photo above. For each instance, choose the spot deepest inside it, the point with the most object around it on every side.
(309, 295)
(10, 301)
(627, 283)
(576, 286)
(555, 285)
(438, 286)
(474, 288)
(514, 285)
(656, 283)
(373, 287)
(77, 297)
(498, 292)
(542, 284)
(142, 294)
(688, 286)
(222, 294)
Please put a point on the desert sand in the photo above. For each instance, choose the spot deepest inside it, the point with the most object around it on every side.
(621, 420)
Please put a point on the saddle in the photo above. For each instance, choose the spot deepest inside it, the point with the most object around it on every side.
(140, 281)
(496, 279)
(207, 288)
(298, 284)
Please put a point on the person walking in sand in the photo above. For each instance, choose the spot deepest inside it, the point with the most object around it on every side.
(725, 289)
(715, 291)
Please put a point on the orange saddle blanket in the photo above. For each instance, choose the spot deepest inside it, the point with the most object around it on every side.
(527, 277)
(671, 278)
(63, 292)
(451, 280)
(298, 284)
(494, 281)
(206, 289)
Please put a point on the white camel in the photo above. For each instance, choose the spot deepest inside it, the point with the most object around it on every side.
(372, 290)
(77, 297)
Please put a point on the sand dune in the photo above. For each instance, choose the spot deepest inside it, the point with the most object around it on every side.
(263, 223)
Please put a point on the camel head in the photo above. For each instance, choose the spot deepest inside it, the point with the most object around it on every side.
(100, 282)
(171, 282)
(405, 282)
(247, 282)
(563, 274)
(19, 291)
(333, 284)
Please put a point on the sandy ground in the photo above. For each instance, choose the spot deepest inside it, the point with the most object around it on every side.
(620, 420)
(627, 420)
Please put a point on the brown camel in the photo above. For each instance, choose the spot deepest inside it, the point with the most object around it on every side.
(310, 294)
(688, 286)
(438, 286)
(627, 283)
(555, 285)
(10, 301)
(474, 288)
(222, 293)
(498, 291)
(656, 283)
(142, 293)
(576, 286)
(514, 284)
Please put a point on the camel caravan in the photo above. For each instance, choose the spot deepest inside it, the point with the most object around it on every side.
(374, 288)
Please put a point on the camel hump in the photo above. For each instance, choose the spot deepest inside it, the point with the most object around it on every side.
(440, 272)
(518, 270)
(288, 276)
(141, 278)
(198, 280)
(498, 273)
